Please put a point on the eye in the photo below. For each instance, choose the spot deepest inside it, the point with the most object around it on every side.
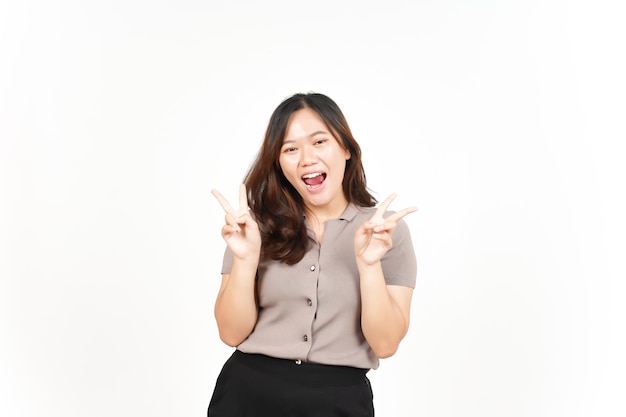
(320, 141)
(289, 149)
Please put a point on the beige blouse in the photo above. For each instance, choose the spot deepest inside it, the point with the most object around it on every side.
(311, 311)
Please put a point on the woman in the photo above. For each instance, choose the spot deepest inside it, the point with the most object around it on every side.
(314, 289)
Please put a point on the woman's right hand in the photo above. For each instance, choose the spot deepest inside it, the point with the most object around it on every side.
(241, 232)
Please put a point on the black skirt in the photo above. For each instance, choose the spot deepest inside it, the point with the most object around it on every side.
(253, 385)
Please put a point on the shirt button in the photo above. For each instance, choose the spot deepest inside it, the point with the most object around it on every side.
(305, 338)
(312, 268)
(298, 361)
(309, 302)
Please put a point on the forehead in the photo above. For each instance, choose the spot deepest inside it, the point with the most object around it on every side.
(305, 123)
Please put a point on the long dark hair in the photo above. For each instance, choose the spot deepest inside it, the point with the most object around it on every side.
(276, 205)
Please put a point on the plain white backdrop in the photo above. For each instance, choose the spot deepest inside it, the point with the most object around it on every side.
(501, 120)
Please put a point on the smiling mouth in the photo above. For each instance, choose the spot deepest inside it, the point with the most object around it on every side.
(314, 178)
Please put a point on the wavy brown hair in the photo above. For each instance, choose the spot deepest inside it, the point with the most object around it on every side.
(275, 204)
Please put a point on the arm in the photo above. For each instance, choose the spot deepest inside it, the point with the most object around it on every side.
(385, 309)
(236, 304)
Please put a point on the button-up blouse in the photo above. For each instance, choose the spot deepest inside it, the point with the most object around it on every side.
(311, 311)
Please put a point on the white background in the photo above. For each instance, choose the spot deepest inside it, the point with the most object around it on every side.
(500, 120)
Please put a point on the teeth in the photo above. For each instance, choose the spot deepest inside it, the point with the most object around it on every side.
(317, 174)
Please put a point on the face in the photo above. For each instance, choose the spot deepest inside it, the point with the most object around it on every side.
(313, 161)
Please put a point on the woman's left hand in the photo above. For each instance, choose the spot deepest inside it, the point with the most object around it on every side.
(372, 239)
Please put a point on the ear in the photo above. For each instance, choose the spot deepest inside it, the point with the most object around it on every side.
(347, 154)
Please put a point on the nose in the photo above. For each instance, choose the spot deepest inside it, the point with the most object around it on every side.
(308, 155)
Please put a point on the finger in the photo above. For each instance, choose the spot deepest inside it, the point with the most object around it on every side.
(243, 197)
(223, 202)
(373, 226)
(383, 206)
(229, 229)
(230, 218)
(243, 218)
(385, 227)
(232, 223)
(400, 214)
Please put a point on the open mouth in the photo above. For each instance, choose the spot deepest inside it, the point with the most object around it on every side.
(313, 179)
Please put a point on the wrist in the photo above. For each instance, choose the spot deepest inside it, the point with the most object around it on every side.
(365, 266)
(248, 261)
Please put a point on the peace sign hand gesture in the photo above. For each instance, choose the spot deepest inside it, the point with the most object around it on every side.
(240, 232)
(372, 239)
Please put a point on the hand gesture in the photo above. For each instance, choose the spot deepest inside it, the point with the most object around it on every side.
(372, 239)
(240, 232)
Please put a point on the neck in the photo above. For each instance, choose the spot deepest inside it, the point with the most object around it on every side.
(321, 214)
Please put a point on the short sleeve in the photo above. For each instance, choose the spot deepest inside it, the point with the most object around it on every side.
(399, 263)
(227, 261)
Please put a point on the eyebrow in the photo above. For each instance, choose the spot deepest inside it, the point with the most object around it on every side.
(319, 132)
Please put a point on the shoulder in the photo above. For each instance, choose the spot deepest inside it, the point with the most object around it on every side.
(359, 212)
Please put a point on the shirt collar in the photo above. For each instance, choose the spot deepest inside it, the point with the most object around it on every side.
(349, 213)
